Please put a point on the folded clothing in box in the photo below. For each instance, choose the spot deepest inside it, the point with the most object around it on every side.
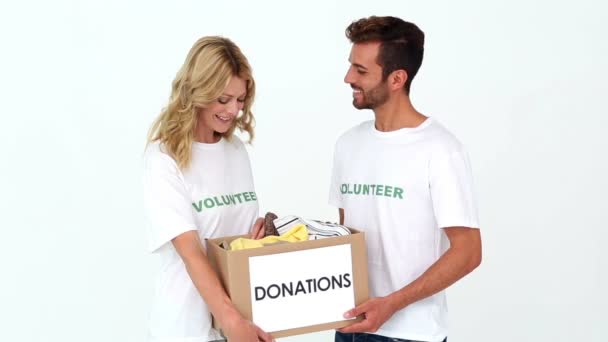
(316, 229)
(297, 233)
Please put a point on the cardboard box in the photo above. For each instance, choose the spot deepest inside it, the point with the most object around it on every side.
(294, 288)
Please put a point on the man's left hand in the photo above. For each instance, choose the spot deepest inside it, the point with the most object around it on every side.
(376, 311)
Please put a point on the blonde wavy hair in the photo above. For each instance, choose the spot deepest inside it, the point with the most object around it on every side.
(206, 72)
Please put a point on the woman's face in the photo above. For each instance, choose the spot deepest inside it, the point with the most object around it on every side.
(219, 116)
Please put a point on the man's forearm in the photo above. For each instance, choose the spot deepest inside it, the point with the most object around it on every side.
(454, 264)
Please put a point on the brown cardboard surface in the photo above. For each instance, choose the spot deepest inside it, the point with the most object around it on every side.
(233, 270)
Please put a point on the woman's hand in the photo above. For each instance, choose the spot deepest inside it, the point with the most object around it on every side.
(257, 231)
(238, 329)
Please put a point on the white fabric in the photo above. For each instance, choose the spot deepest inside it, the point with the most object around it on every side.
(316, 229)
(400, 188)
(215, 196)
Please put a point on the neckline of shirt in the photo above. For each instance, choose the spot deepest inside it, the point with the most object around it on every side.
(401, 131)
(209, 146)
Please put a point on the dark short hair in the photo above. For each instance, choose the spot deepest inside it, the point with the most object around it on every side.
(401, 44)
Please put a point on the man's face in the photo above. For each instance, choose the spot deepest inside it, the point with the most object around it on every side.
(365, 76)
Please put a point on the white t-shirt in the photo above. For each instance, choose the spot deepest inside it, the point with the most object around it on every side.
(215, 196)
(400, 188)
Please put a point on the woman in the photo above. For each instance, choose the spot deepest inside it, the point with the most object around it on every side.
(197, 185)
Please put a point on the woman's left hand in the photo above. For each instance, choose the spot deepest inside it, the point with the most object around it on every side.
(257, 231)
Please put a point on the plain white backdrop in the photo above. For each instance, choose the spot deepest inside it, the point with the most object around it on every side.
(521, 83)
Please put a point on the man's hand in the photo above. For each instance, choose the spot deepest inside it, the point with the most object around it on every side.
(376, 311)
(257, 231)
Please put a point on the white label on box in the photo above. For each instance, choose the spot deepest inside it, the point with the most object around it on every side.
(301, 288)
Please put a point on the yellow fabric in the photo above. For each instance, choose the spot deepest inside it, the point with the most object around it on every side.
(295, 234)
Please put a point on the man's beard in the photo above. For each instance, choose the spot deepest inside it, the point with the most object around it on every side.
(372, 98)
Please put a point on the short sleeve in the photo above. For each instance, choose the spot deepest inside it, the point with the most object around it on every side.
(335, 196)
(451, 187)
(166, 199)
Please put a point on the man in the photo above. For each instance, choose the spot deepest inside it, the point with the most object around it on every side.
(406, 182)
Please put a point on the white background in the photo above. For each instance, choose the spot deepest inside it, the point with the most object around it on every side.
(521, 83)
